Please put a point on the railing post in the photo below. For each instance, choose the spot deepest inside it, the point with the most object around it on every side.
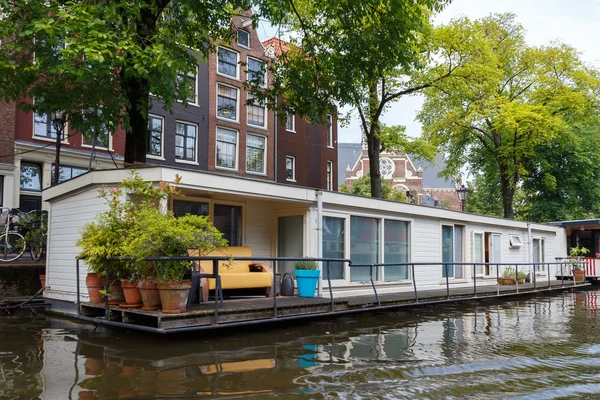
(373, 285)
(329, 283)
(534, 277)
(215, 271)
(447, 281)
(414, 279)
(549, 282)
(274, 291)
(562, 275)
(497, 280)
(517, 276)
(78, 290)
(573, 273)
(474, 281)
(106, 289)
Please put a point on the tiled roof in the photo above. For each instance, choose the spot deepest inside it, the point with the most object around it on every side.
(279, 45)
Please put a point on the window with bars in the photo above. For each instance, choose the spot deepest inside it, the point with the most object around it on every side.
(255, 153)
(185, 141)
(155, 134)
(226, 148)
(227, 61)
(256, 71)
(290, 123)
(256, 111)
(227, 102)
(290, 168)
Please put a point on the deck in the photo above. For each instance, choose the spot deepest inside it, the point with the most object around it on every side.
(255, 310)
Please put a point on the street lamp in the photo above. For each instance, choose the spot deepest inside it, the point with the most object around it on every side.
(462, 191)
(58, 123)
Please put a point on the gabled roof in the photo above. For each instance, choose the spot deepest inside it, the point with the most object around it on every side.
(348, 155)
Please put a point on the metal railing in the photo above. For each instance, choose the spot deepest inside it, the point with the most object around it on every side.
(535, 270)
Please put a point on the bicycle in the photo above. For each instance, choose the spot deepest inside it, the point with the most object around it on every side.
(12, 243)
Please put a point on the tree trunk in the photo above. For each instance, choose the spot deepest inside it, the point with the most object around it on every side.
(374, 143)
(136, 137)
(508, 189)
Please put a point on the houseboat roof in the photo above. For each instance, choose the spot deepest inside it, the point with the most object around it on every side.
(577, 222)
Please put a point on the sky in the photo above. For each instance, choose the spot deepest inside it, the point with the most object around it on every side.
(574, 22)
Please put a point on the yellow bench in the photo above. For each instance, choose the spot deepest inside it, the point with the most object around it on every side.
(235, 274)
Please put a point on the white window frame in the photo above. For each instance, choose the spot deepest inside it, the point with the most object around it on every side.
(329, 175)
(293, 168)
(237, 149)
(237, 64)
(266, 114)
(237, 104)
(329, 131)
(195, 102)
(410, 248)
(264, 171)
(482, 234)
(265, 69)
(541, 255)
(178, 160)
(346, 281)
(293, 119)
(441, 273)
(492, 264)
(515, 241)
(162, 140)
(238, 39)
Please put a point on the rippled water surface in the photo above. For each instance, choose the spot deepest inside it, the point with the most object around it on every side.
(543, 347)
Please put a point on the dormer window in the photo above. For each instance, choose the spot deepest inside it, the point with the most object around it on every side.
(243, 38)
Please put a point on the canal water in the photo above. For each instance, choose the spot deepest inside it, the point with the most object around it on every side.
(542, 347)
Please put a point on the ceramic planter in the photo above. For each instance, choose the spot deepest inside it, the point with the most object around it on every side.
(307, 280)
(94, 284)
(578, 275)
(150, 296)
(115, 293)
(174, 296)
(133, 297)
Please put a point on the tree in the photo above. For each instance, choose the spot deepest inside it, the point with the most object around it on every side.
(362, 187)
(365, 54)
(523, 97)
(116, 54)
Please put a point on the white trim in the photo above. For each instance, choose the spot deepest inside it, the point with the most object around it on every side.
(237, 149)
(237, 64)
(196, 143)
(162, 139)
(237, 104)
(264, 172)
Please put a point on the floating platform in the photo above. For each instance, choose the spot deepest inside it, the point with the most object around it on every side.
(256, 310)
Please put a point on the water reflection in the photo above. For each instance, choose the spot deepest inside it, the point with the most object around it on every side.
(544, 346)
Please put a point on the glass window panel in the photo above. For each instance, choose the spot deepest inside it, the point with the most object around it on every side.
(256, 71)
(155, 131)
(227, 102)
(447, 251)
(290, 241)
(185, 141)
(329, 130)
(181, 208)
(255, 153)
(290, 168)
(290, 123)
(243, 38)
(396, 247)
(226, 148)
(458, 251)
(478, 250)
(228, 61)
(364, 247)
(333, 245)
(228, 220)
(43, 126)
(31, 177)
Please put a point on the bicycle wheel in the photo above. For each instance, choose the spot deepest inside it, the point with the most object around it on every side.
(12, 246)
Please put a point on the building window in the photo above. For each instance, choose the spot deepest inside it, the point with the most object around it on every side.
(256, 71)
(66, 172)
(188, 83)
(255, 153)
(515, 241)
(43, 126)
(182, 207)
(329, 130)
(396, 249)
(226, 148)
(256, 111)
(227, 62)
(329, 175)
(243, 38)
(290, 122)
(228, 220)
(31, 177)
(333, 245)
(364, 247)
(101, 133)
(290, 168)
(155, 134)
(227, 102)
(185, 141)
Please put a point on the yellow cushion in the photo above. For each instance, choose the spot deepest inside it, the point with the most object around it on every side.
(247, 280)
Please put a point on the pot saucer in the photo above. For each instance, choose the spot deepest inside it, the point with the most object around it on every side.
(125, 305)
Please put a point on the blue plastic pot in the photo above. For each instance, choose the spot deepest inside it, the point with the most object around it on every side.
(307, 280)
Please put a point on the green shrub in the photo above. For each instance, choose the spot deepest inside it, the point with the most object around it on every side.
(306, 264)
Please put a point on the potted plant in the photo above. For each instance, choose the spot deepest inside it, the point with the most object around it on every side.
(576, 253)
(521, 276)
(508, 276)
(307, 277)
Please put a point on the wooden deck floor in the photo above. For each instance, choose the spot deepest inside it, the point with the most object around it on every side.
(260, 309)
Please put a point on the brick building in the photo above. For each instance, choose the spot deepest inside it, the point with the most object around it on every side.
(398, 168)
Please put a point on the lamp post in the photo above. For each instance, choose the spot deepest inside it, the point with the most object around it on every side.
(58, 123)
(462, 191)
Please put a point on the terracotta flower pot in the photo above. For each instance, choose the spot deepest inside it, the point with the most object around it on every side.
(43, 280)
(578, 275)
(94, 285)
(133, 297)
(174, 296)
(115, 293)
(150, 296)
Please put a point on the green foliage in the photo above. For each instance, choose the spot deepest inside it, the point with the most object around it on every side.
(508, 273)
(514, 100)
(578, 251)
(135, 226)
(306, 265)
(362, 187)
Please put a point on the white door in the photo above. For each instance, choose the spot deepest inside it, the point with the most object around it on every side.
(478, 253)
(495, 251)
(539, 254)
